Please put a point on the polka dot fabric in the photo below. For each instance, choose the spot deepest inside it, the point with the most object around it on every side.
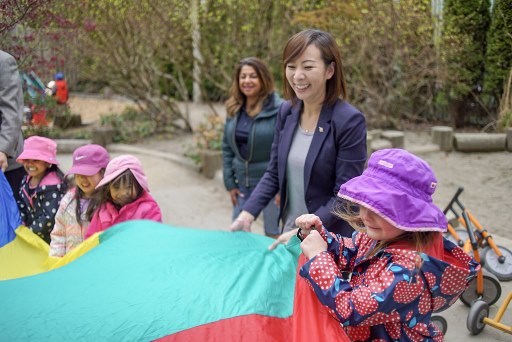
(38, 206)
(390, 295)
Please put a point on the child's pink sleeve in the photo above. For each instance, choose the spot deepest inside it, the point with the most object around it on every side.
(94, 226)
(151, 212)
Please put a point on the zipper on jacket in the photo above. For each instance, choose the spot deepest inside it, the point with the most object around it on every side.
(246, 173)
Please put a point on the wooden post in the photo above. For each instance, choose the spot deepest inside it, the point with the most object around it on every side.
(479, 142)
(369, 141)
(395, 137)
(380, 144)
(102, 136)
(211, 161)
(442, 136)
(509, 139)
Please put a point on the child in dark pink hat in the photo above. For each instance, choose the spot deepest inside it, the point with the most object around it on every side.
(123, 195)
(42, 188)
(402, 269)
(71, 222)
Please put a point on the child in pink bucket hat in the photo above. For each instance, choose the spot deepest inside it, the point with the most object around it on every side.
(123, 194)
(71, 223)
(41, 190)
(402, 269)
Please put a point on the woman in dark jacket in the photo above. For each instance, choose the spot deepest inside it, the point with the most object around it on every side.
(248, 134)
(319, 142)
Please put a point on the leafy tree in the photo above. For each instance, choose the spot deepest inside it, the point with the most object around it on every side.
(499, 49)
(235, 29)
(32, 33)
(463, 49)
(388, 54)
(141, 50)
(13, 12)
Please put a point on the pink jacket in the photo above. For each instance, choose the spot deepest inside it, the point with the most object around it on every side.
(143, 208)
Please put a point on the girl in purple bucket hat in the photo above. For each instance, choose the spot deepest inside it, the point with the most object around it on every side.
(122, 195)
(71, 223)
(42, 187)
(402, 269)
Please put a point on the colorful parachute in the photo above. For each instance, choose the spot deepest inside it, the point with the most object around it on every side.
(142, 281)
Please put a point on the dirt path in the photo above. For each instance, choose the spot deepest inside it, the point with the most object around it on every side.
(486, 177)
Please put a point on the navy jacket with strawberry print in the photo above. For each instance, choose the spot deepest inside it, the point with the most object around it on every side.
(392, 294)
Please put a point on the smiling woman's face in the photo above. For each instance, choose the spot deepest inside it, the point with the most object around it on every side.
(249, 82)
(308, 74)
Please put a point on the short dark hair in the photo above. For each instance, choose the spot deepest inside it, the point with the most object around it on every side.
(330, 52)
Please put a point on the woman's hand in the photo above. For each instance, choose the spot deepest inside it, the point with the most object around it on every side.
(233, 194)
(243, 222)
(307, 223)
(313, 244)
(277, 200)
(283, 239)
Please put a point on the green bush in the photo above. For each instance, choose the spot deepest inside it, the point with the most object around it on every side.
(43, 131)
(499, 49)
(130, 126)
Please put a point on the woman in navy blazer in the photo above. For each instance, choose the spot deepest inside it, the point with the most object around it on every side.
(318, 136)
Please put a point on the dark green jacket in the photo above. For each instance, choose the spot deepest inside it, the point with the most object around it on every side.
(238, 170)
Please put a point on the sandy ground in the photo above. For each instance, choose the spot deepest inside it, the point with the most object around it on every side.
(486, 177)
(190, 200)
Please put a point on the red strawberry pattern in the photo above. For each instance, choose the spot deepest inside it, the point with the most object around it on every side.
(439, 302)
(378, 276)
(363, 302)
(393, 330)
(453, 279)
(405, 292)
(392, 293)
(324, 271)
(361, 333)
(425, 304)
(380, 317)
(343, 306)
(431, 279)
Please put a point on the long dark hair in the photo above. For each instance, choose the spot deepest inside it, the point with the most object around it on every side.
(79, 195)
(102, 194)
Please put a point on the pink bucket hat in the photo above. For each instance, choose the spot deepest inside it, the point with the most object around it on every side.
(88, 160)
(398, 186)
(39, 148)
(120, 164)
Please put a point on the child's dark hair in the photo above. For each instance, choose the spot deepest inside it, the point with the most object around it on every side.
(349, 212)
(79, 195)
(60, 175)
(58, 172)
(102, 195)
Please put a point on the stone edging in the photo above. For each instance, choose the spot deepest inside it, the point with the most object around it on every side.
(443, 139)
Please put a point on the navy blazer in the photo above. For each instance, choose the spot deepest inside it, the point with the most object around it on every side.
(337, 154)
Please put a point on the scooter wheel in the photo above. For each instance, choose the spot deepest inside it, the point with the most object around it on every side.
(475, 322)
(490, 294)
(501, 267)
(440, 323)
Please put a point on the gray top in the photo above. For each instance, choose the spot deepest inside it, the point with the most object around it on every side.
(296, 204)
(11, 110)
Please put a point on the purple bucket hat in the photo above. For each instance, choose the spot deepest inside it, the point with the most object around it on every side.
(89, 159)
(398, 186)
(39, 148)
(120, 164)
